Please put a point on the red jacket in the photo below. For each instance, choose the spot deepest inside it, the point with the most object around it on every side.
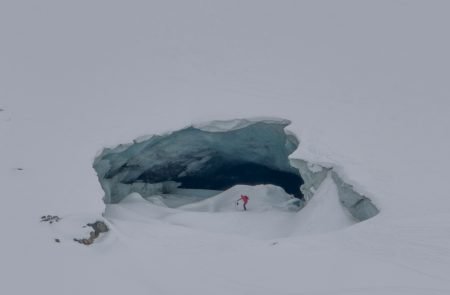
(244, 198)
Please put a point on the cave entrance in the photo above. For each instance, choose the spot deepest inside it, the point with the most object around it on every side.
(217, 156)
(229, 174)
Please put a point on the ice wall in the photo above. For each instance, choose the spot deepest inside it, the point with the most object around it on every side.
(359, 206)
(313, 176)
(215, 156)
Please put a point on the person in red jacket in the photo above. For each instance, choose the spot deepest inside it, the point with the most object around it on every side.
(244, 199)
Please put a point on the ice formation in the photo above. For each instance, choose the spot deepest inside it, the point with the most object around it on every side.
(213, 156)
(312, 174)
(359, 206)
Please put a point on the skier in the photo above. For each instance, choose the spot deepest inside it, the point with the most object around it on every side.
(244, 199)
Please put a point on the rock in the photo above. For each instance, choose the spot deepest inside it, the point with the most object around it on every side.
(50, 218)
(98, 227)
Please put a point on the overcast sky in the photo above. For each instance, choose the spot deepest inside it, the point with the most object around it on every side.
(116, 56)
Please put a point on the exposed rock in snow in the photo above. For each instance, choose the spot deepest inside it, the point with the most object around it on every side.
(98, 228)
(214, 156)
(50, 218)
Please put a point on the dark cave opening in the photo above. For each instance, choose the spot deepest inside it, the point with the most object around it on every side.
(225, 175)
(240, 152)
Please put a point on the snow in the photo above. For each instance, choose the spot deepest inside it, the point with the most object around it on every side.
(365, 86)
(264, 197)
(324, 213)
(314, 167)
(230, 125)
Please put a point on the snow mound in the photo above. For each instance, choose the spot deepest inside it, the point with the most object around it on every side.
(262, 198)
(271, 214)
(324, 212)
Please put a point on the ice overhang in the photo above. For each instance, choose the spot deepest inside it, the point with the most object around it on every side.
(215, 156)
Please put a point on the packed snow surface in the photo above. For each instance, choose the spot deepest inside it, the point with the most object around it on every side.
(365, 84)
(270, 213)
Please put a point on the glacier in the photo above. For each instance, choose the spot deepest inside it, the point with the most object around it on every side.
(360, 206)
(369, 100)
(217, 156)
(314, 174)
(212, 156)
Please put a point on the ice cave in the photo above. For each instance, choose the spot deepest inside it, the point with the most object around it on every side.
(216, 156)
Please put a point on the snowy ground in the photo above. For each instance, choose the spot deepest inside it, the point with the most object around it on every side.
(365, 85)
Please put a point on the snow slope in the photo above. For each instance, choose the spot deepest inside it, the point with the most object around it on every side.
(364, 84)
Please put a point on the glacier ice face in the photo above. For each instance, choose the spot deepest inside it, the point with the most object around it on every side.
(359, 206)
(213, 156)
(312, 174)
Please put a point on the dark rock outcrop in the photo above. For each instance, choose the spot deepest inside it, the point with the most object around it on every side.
(98, 228)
